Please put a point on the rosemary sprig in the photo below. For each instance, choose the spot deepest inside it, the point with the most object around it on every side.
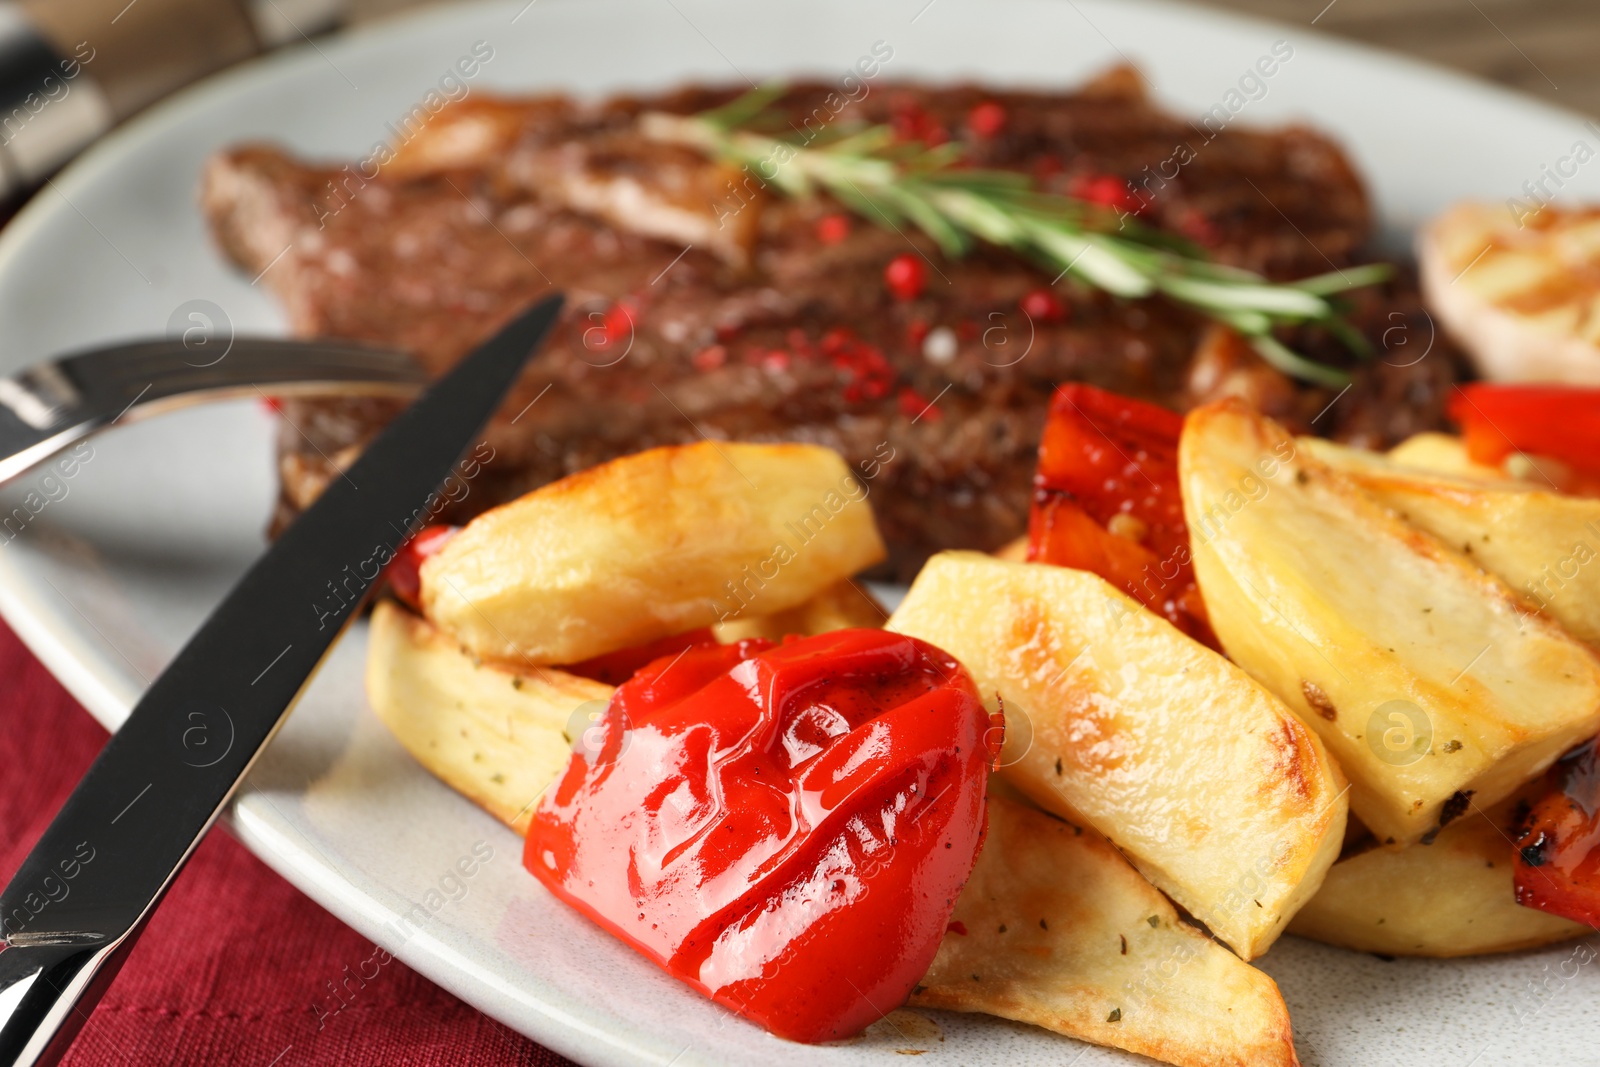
(895, 183)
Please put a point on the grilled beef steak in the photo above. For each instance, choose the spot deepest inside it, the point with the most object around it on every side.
(702, 304)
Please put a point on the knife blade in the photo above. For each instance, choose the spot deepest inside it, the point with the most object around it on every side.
(80, 898)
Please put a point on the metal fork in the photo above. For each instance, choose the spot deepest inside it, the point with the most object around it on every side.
(51, 405)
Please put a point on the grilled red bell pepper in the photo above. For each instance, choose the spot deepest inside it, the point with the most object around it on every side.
(1106, 500)
(1557, 864)
(405, 570)
(785, 827)
(614, 668)
(1558, 421)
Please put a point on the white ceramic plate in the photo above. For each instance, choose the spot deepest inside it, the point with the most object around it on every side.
(122, 561)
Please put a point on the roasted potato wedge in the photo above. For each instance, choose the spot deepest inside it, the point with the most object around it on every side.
(1054, 928)
(494, 734)
(1427, 678)
(1013, 551)
(1441, 453)
(1540, 542)
(1451, 898)
(649, 545)
(1114, 718)
(842, 606)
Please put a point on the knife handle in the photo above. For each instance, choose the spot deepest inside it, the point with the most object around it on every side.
(47, 992)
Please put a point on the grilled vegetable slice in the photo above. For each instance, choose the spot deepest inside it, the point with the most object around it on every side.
(1442, 453)
(782, 827)
(1542, 543)
(1106, 500)
(846, 605)
(1450, 898)
(1054, 928)
(1427, 678)
(1210, 786)
(1554, 429)
(1518, 293)
(494, 734)
(1558, 845)
(648, 545)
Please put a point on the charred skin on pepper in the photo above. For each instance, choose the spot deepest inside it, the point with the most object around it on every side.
(1557, 856)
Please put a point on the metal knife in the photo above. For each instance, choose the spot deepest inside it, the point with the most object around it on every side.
(75, 907)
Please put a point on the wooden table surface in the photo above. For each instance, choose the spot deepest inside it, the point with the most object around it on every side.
(1545, 47)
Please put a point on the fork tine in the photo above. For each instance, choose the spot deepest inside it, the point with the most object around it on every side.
(51, 405)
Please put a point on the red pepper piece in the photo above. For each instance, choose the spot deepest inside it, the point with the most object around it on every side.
(405, 570)
(614, 668)
(1558, 421)
(1106, 461)
(1061, 532)
(1557, 864)
(784, 828)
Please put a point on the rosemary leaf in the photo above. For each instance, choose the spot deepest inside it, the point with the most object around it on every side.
(894, 182)
(1293, 363)
(1079, 254)
(1250, 323)
(1271, 299)
(875, 209)
(1349, 336)
(952, 241)
(1339, 281)
(743, 108)
(971, 210)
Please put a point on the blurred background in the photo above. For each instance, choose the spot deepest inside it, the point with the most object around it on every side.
(1543, 47)
(95, 62)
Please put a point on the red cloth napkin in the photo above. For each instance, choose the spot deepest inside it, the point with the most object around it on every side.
(234, 967)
